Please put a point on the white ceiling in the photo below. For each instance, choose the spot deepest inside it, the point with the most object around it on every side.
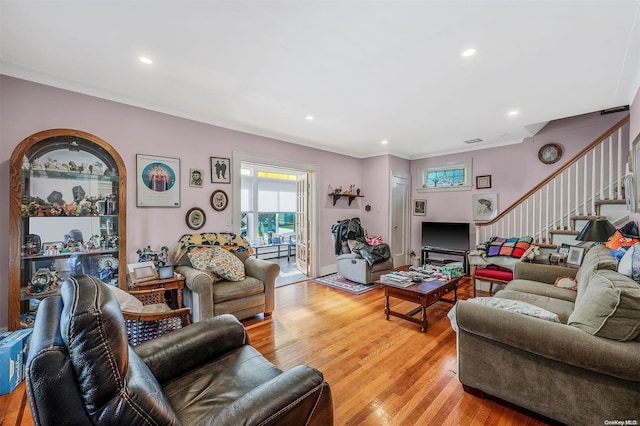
(366, 70)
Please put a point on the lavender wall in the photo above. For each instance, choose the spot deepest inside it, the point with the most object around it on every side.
(27, 108)
(514, 169)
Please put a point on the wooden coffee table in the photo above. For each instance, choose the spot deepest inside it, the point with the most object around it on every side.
(424, 293)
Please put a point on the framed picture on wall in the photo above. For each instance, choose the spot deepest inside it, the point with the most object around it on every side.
(196, 178)
(483, 182)
(220, 170)
(485, 207)
(157, 181)
(419, 207)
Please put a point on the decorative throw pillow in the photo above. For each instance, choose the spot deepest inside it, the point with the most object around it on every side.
(201, 258)
(227, 265)
(127, 301)
(609, 307)
(625, 265)
(568, 283)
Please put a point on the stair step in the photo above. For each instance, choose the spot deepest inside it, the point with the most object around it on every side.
(564, 231)
(587, 217)
(602, 202)
(545, 245)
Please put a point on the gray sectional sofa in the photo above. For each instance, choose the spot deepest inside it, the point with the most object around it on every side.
(582, 370)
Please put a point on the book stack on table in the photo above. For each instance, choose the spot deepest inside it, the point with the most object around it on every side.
(404, 278)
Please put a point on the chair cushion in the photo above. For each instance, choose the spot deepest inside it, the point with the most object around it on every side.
(609, 307)
(218, 384)
(495, 273)
(231, 290)
(128, 302)
(563, 308)
(155, 308)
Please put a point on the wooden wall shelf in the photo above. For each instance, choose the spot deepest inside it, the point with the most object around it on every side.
(351, 197)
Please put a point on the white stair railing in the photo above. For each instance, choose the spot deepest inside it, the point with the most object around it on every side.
(595, 173)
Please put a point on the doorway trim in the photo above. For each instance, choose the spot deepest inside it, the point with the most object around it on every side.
(314, 202)
(405, 209)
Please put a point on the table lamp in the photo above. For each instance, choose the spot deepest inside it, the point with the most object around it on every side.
(597, 231)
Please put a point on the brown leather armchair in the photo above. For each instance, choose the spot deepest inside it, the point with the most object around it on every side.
(80, 370)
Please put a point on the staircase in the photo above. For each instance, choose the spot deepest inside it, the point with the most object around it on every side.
(588, 186)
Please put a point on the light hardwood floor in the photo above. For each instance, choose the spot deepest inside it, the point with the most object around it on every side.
(381, 372)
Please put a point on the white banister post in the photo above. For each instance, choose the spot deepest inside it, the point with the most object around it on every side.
(584, 188)
(621, 172)
(569, 197)
(593, 183)
(601, 174)
(611, 168)
(547, 216)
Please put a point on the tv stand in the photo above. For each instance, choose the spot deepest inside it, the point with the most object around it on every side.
(452, 252)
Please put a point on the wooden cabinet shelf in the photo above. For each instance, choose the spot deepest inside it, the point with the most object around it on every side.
(351, 197)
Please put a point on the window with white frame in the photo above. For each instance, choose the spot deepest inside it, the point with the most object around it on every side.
(268, 202)
(446, 176)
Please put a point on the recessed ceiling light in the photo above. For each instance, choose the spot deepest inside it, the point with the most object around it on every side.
(512, 113)
(145, 60)
(309, 117)
(384, 142)
(469, 52)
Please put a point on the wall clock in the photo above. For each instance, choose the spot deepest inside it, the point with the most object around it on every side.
(550, 153)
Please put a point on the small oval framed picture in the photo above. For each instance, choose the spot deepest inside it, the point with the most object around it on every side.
(196, 218)
(219, 200)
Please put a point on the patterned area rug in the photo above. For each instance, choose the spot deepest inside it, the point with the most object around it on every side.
(335, 281)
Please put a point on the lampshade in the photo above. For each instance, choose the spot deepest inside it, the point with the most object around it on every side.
(598, 231)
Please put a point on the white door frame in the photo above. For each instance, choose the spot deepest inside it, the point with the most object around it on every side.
(314, 194)
(407, 210)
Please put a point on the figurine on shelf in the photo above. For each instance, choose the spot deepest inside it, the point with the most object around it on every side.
(44, 281)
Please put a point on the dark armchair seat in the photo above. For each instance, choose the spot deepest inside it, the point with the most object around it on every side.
(81, 370)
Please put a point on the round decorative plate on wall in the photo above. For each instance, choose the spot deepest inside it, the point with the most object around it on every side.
(219, 200)
(550, 153)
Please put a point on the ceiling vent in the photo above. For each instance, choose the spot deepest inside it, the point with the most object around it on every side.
(614, 110)
(470, 141)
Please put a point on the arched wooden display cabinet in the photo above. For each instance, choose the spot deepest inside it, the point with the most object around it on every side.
(67, 215)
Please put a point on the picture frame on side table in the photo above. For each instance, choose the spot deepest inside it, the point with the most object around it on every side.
(483, 182)
(157, 181)
(419, 207)
(220, 170)
(575, 255)
(142, 271)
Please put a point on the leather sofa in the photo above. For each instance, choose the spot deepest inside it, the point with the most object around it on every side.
(583, 369)
(253, 295)
(80, 370)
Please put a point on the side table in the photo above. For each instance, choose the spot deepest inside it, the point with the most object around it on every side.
(176, 283)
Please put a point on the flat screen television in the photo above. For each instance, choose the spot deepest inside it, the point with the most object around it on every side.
(446, 235)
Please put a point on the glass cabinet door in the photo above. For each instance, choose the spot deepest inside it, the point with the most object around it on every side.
(68, 210)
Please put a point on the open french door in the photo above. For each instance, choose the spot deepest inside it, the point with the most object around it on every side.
(302, 223)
